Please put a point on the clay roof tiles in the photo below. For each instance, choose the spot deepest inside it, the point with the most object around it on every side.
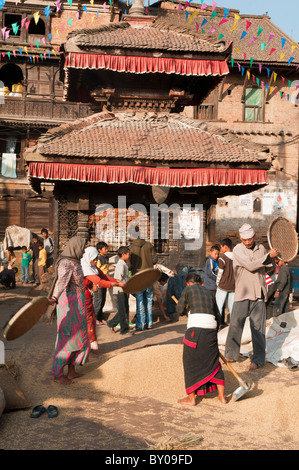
(156, 138)
(122, 35)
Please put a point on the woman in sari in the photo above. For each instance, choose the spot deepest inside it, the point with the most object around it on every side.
(72, 344)
(202, 369)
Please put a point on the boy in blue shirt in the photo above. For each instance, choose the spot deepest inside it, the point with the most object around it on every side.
(26, 258)
(211, 269)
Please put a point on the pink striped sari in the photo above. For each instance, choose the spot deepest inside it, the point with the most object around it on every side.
(72, 343)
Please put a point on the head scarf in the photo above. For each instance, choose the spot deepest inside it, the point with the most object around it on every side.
(73, 251)
(246, 231)
(90, 254)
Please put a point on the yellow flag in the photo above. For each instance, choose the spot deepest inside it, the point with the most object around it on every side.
(237, 50)
(233, 28)
(274, 76)
(192, 16)
(237, 17)
(248, 74)
(91, 2)
(271, 89)
(25, 49)
(294, 44)
(282, 56)
(36, 16)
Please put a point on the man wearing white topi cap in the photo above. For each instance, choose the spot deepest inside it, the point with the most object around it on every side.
(250, 260)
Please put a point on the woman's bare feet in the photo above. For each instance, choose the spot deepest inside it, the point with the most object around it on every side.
(63, 380)
(72, 374)
(188, 400)
(222, 399)
(221, 395)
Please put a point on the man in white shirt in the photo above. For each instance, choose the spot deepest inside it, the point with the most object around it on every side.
(121, 273)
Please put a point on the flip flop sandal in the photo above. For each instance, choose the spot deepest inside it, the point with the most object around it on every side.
(37, 411)
(52, 411)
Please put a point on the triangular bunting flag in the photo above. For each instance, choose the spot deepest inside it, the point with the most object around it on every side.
(263, 45)
(243, 34)
(282, 56)
(36, 17)
(248, 24)
(271, 36)
(283, 41)
(224, 20)
(259, 31)
(226, 12)
(272, 50)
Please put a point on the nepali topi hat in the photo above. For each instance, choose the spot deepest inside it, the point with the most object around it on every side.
(246, 231)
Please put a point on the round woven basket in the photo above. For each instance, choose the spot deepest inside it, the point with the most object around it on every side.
(283, 237)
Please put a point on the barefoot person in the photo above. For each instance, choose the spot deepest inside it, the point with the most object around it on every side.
(202, 369)
(72, 344)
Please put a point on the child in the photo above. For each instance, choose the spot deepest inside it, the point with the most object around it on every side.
(225, 279)
(26, 258)
(158, 296)
(122, 274)
(10, 256)
(100, 295)
(42, 260)
(284, 287)
(211, 269)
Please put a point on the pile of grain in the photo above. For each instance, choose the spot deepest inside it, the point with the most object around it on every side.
(155, 372)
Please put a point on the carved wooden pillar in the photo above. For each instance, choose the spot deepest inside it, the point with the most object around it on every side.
(83, 214)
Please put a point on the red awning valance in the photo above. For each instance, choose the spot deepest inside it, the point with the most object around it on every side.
(171, 177)
(135, 64)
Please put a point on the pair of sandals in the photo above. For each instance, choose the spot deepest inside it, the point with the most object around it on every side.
(291, 364)
(38, 410)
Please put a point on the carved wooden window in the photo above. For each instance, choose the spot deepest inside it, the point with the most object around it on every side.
(39, 80)
(9, 21)
(253, 105)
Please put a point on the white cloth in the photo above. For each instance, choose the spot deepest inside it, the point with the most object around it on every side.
(282, 338)
(90, 254)
(9, 165)
(16, 236)
(201, 320)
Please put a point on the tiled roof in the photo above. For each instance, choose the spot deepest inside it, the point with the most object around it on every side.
(122, 35)
(173, 19)
(147, 137)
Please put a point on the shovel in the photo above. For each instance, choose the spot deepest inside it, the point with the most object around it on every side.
(244, 386)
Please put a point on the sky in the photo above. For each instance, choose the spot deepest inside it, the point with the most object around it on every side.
(285, 14)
